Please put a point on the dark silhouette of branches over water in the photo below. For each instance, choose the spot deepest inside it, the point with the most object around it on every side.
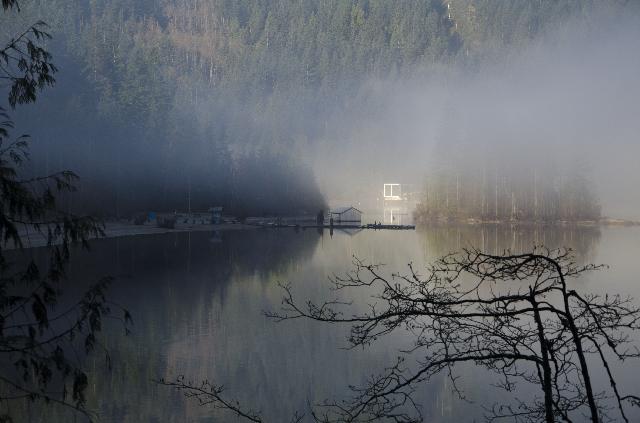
(515, 315)
(209, 394)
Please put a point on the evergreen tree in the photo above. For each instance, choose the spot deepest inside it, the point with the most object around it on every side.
(38, 340)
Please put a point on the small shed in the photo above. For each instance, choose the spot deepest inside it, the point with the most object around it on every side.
(346, 215)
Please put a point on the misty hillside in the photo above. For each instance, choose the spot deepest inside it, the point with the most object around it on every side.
(178, 102)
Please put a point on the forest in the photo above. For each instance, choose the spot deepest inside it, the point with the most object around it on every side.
(486, 191)
(185, 103)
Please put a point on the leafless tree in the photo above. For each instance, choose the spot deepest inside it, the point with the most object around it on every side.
(207, 393)
(210, 394)
(515, 315)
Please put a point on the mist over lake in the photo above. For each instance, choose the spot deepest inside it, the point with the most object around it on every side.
(319, 211)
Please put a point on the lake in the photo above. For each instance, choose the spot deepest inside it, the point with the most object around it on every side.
(197, 301)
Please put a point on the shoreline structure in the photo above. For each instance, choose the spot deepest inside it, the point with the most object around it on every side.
(32, 239)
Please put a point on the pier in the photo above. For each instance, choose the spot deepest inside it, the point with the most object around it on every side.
(342, 226)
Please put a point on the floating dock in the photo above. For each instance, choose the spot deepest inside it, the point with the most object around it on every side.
(344, 226)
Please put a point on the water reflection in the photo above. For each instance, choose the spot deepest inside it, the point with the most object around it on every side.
(197, 301)
(495, 239)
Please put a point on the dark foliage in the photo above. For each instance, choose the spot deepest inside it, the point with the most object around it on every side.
(43, 334)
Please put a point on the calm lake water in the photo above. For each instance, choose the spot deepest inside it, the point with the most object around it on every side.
(197, 300)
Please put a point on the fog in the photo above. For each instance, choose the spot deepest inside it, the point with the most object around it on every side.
(568, 99)
(512, 127)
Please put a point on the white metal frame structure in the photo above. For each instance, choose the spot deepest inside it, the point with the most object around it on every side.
(392, 192)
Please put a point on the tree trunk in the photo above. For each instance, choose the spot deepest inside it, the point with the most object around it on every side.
(547, 386)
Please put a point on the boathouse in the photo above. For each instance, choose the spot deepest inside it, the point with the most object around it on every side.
(346, 215)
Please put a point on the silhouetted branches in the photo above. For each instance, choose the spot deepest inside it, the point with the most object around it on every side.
(514, 315)
(207, 393)
(26, 65)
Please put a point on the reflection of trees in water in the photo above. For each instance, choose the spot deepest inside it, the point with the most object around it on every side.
(171, 284)
(274, 368)
(196, 300)
(495, 239)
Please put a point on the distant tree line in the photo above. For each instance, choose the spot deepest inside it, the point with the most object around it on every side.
(527, 193)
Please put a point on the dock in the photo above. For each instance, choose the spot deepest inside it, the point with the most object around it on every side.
(376, 227)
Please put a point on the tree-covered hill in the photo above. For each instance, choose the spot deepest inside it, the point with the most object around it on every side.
(162, 102)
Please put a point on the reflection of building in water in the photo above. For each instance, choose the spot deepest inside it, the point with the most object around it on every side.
(396, 216)
(348, 231)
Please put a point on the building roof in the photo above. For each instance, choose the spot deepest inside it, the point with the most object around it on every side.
(342, 210)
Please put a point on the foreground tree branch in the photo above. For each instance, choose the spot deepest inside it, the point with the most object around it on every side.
(41, 348)
(209, 394)
(515, 315)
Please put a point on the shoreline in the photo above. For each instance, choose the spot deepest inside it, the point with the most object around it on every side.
(605, 222)
(32, 239)
(112, 229)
